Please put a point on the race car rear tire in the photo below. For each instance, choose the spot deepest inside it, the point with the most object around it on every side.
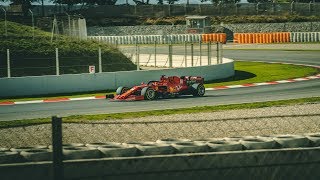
(121, 90)
(148, 93)
(198, 90)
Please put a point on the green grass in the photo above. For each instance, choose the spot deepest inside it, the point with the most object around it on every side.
(35, 57)
(119, 116)
(254, 72)
(246, 72)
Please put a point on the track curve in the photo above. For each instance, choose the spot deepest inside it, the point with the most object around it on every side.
(301, 89)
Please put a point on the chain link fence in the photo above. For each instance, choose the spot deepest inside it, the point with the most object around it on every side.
(175, 55)
(188, 126)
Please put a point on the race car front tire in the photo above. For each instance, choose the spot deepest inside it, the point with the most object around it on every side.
(121, 90)
(148, 93)
(198, 89)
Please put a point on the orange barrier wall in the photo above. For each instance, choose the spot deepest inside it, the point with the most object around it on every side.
(215, 37)
(274, 37)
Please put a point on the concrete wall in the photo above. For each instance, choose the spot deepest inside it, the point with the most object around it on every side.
(294, 163)
(38, 85)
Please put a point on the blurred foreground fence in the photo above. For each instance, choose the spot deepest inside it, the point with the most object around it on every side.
(115, 149)
(14, 64)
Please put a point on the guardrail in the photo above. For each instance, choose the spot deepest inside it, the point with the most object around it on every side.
(162, 39)
(241, 38)
(276, 37)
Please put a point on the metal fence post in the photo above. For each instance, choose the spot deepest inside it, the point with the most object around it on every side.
(32, 18)
(57, 62)
(209, 52)
(155, 53)
(191, 54)
(170, 55)
(8, 63)
(5, 21)
(100, 61)
(185, 54)
(218, 53)
(69, 24)
(137, 57)
(200, 47)
(58, 173)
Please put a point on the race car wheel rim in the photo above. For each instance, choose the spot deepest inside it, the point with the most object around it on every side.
(201, 90)
(150, 94)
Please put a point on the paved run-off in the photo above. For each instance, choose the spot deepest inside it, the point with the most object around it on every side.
(263, 121)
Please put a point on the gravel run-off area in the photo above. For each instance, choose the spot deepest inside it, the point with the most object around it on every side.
(295, 119)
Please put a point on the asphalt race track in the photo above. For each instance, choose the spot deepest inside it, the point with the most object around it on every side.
(301, 89)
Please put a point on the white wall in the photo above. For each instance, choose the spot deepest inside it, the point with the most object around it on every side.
(37, 85)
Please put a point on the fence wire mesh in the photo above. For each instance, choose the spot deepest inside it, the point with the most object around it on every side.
(175, 55)
(158, 127)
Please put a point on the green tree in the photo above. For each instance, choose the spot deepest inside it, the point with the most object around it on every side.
(26, 4)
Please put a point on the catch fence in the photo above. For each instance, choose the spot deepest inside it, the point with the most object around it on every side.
(16, 64)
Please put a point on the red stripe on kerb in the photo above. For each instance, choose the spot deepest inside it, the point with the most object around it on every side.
(100, 97)
(221, 87)
(7, 103)
(56, 100)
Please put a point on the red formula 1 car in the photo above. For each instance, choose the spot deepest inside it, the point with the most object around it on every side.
(171, 86)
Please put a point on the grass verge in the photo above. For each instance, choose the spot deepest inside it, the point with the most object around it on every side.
(119, 116)
(255, 72)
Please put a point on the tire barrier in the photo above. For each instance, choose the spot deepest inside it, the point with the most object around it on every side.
(292, 141)
(117, 151)
(97, 145)
(10, 157)
(80, 153)
(258, 143)
(222, 145)
(160, 147)
(172, 141)
(155, 149)
(314, 138)
(35, 155)
(250, 38)
(151, 148)
(4, 149)
(20, 149)
(190, 147)
(305, 37)
(215, 37)
(206, 140)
